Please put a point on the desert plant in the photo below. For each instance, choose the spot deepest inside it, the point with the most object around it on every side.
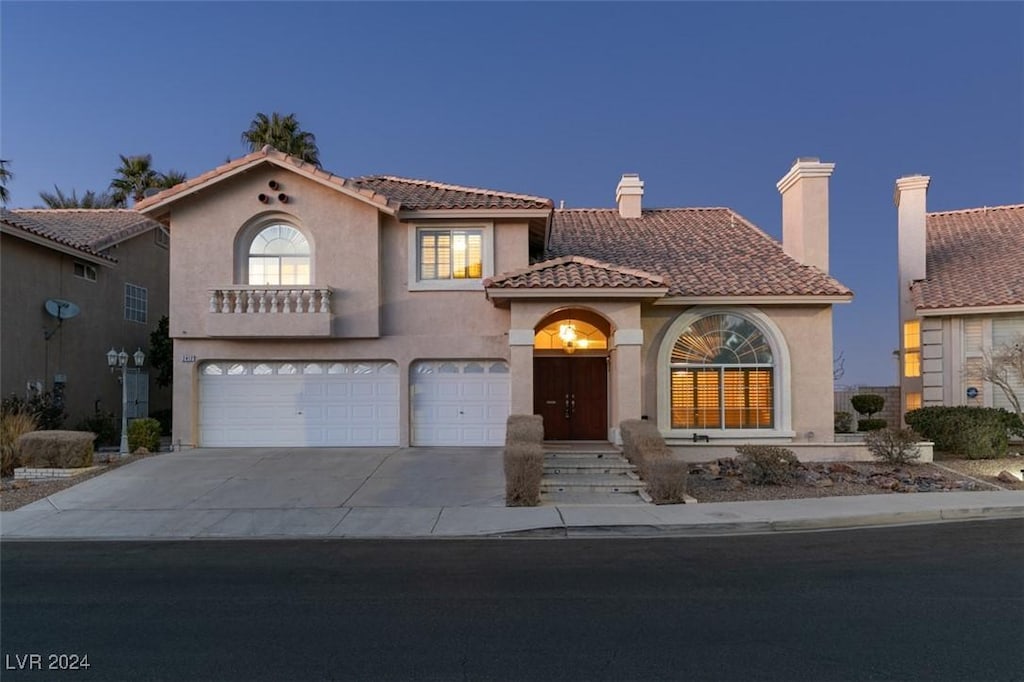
(871, 424)
(971, 432)
(59, 449)
(893, 446)
(524, 469)
(104, 425)
(843, 422)
(144, 433)
(767, 464)
(44, 407)
(524, 428)
(12, 427)
(868, 403)
(666, 480)
(642, 443)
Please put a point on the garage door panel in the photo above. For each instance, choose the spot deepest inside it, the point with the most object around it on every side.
(459, 402)
(353, 404)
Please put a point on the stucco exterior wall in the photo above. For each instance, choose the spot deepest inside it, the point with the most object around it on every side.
(31, 274)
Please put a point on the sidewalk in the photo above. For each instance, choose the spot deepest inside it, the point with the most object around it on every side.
(416, 493)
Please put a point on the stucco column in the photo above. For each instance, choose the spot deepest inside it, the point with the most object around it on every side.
(627, 371)
(520, 367)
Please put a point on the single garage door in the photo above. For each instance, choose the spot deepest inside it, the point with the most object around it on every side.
(253, 404)
(459, 402)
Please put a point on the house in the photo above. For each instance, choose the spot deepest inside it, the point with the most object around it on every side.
(961, 285)
(312, 309)
(111, 266)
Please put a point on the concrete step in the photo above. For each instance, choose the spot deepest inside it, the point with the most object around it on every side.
(586, 466)
(591, 483)
(580, 454)
(576, 498)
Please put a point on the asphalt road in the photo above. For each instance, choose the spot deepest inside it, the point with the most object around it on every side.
(939, 602)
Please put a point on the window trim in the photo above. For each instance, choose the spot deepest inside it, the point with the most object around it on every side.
(145, 300)
(486, 255)
(86, 269)
(251, 229)
(781, 378)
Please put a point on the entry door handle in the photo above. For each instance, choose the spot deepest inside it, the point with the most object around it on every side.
(572, 403)
(568, 408)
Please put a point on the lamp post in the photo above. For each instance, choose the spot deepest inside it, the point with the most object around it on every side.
(115, 360)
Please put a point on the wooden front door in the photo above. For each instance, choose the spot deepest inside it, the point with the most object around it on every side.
(572, 396)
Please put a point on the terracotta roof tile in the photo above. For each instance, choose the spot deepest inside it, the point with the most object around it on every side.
(698, 251)
(419, 195)
(572, 272)
(87, 230)
(975, 257)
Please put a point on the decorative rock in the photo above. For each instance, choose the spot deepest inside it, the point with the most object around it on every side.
(1006, 477)
(21, 483)
(840, 467)
(823, 483)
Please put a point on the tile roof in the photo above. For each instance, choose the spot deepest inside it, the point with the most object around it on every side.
(574, 271)
(420, 195)
(975, 258)
(273, 156)
(698, 251)
(388, 191)
(90, 230)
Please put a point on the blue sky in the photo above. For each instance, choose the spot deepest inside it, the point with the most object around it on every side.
(709, 102)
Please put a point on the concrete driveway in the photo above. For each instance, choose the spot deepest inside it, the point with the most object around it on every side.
(273, 491)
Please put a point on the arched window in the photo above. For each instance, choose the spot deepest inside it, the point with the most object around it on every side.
(279, 255)
(722, 375)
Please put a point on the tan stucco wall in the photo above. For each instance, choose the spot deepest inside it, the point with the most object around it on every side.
(360, 253)
(807, 331)
(32, 273)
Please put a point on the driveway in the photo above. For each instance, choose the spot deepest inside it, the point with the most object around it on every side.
(272, 491)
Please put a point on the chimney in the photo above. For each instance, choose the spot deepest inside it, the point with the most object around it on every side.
(910, 198)
(804, 191)
(629, 195)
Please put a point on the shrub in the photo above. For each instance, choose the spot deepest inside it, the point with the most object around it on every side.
(871, 424)
(893, 446)
(843, 422)
(164, 417)
(524, 428)
(524, 469)
(868, 403)
(12, 427)
(642, 443)
(57, 449)
(144, 433)
(104, 425)
(666, 480)
(44, 407)
(768, 464)
(971, 432)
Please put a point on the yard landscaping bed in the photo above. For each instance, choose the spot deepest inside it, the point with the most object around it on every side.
(15, 494)
(987, 470)
(724, 481)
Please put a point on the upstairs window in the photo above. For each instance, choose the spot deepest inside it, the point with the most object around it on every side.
(136, 303)
(279, 255)
(85, 271)
(450, 254)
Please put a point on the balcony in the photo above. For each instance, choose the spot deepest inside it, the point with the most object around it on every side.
(247, 311)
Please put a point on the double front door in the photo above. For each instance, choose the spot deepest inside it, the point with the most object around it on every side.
(571, 393)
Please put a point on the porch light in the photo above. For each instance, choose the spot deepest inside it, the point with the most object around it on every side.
(567, 332)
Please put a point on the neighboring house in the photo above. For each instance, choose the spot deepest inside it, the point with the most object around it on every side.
(311, 309)
(961, 284)
(112, 266)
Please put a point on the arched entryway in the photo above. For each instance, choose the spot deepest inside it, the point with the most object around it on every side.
(570, 374)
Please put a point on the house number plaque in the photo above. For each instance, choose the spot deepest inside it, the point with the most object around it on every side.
(188, 358)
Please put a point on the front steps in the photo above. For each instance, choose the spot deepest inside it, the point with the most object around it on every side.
(597, 475)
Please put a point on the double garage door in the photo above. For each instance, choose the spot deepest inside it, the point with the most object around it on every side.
(319, 404)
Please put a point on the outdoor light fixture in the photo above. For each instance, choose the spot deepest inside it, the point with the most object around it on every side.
(117, 360)
(567, 332)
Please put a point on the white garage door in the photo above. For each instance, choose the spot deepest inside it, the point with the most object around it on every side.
(459, 402)
(252, 404)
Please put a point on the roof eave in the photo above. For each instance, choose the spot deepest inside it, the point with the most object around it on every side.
(57, 246)
(449, 213)
(970, 310)
(787, 299)
(497, 293)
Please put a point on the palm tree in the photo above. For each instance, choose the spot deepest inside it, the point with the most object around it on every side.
(282, 133)
(136, 175)
(170, 179)
(88, 200)
(5, 176)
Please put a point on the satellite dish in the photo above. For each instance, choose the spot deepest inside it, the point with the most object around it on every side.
(62, 310)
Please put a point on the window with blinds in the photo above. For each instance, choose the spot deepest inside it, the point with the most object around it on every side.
(722, 376)
(450, 254)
